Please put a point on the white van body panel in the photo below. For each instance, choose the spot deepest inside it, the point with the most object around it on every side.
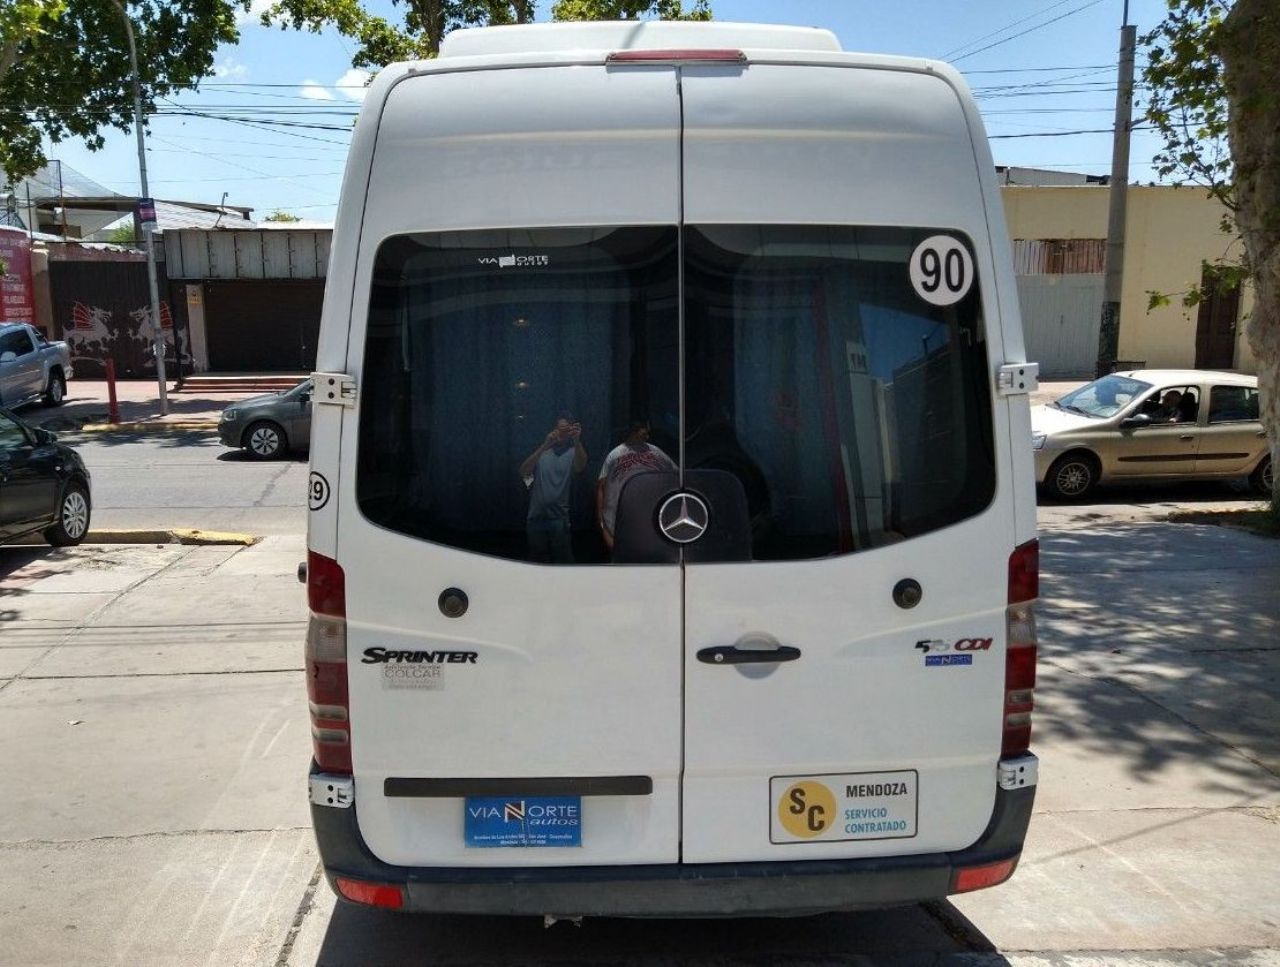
(871, 147)
(592, 670)
(563, 651)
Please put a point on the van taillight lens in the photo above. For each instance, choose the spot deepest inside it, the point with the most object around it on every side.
(1020, 652)
(386, 895)
(326, 662)
(703, 56)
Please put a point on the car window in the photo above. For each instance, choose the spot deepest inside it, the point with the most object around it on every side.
(1233, 404)
(15, 341)
(1104, 397)
(11, 433)
(1173, 404)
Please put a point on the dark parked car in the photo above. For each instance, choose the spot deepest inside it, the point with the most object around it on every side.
(269, 426)
(44, 485)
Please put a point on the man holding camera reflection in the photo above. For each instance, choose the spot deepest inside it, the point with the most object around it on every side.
(548, 473)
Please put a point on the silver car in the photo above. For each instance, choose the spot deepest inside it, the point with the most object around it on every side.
(1152, 424)
(268, 427)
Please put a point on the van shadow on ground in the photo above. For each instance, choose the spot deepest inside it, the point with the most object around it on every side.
(932, 933)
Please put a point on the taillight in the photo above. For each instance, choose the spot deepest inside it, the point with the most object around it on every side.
(386, 895)
(704, 56)
(1020, 653)
(980, 877)
(326, 661)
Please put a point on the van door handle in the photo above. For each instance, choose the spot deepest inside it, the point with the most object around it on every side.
(733, 655)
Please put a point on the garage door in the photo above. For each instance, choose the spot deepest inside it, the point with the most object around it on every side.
(262, 327)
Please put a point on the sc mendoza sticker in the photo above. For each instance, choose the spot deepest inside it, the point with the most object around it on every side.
(941, 270)
(843, 807)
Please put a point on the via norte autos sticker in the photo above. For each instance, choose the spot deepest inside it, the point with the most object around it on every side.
(843, 807)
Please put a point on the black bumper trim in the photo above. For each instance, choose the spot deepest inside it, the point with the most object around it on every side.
(704, 890)
(401, 788)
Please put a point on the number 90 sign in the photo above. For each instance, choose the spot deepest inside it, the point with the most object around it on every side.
(941, 270)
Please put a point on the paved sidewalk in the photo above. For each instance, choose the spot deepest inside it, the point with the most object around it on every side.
(86, 404)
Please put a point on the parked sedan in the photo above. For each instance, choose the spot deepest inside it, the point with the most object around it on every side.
(1151, 424)
(268, 427)
(44, 485)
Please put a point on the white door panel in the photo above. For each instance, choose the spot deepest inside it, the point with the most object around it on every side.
(788, 146)
(578, 667)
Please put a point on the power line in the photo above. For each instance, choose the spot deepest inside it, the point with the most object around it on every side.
(1010, 26)
(1064, 134)
(1023, 33)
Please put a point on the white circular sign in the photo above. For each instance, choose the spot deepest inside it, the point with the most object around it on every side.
(941, 270)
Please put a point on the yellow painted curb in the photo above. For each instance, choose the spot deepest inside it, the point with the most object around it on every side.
(176, 535)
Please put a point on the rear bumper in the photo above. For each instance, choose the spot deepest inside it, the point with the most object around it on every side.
(675, 890)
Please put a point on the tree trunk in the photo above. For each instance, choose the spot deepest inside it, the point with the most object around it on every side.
(1250, 47)
(8, 57)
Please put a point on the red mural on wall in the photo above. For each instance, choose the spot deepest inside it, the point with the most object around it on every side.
(17, 302)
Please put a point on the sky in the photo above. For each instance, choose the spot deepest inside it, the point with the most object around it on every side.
(1041, 70)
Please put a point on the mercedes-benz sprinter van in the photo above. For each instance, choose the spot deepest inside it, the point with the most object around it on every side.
(671, 545)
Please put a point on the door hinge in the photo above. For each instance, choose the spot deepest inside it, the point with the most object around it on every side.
(336, 791)
(1017, 379)
(337, 389)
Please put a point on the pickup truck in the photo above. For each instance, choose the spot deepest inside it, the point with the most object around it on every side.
(31, 367)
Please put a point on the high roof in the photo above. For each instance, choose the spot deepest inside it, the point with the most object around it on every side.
(634, 35)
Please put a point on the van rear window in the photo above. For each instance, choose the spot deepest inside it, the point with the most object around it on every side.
(510, 377)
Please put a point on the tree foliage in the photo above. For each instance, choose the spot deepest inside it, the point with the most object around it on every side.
(64, 66)
(1212, 69)
(423, 24)
(280, 215)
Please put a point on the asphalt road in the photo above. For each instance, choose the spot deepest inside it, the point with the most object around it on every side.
(190, 480)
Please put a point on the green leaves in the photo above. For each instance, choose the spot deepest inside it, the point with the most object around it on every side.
(68, 73)
(423, 24)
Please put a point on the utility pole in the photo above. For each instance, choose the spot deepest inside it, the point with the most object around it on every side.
(159, 347)
(1109, 330)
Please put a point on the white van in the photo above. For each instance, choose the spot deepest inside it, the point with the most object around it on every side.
(672, 536)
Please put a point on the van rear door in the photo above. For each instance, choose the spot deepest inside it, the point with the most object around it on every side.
(521, 253)
(824, 719)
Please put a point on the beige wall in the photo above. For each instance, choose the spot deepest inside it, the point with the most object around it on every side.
(1170, 231)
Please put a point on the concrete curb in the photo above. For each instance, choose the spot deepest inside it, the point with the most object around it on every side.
(145, 426)
(173, 535)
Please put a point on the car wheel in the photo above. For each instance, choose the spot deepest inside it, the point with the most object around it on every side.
(1263, 479)
(265, 440)
(73, 517)
(1072, 476)
(55, 391)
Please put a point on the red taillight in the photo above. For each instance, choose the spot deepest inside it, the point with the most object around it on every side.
(1024, 573)
(326, 662)
(979, 877)
(326, 586)
(374, 894)
(1020, 651)
(704, 56)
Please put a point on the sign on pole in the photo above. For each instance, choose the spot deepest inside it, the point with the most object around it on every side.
(147, 214)
(17, 303)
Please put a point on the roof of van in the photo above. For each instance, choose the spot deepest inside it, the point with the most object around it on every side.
(634, 35)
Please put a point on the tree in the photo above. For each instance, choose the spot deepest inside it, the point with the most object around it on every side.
(279, 215)
(123, 234)
(1212, 69)
(426, 22)
(64, 66)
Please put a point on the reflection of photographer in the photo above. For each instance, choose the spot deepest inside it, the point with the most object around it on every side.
(548, 473)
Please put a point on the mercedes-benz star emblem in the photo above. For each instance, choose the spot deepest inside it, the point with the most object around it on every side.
(683, 518)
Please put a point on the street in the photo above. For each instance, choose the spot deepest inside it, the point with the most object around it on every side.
(156, 738)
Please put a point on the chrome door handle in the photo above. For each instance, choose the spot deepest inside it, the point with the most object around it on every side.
(1186, 436)
(733, 655)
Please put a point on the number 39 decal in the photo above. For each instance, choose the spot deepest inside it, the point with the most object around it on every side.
(941, 270)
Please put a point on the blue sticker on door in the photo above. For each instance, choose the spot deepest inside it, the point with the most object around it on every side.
(528, 821)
